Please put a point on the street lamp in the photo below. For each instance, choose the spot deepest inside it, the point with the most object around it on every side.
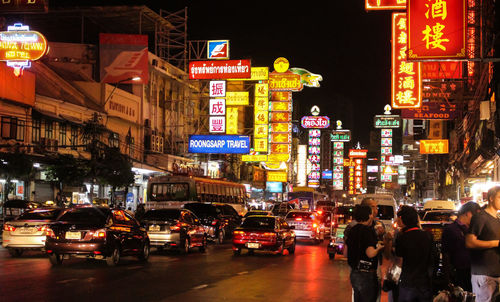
(135, 79)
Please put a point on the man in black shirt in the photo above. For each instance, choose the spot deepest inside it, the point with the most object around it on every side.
(416, 248)
(457, 256)
(483, 239)
(362, 251)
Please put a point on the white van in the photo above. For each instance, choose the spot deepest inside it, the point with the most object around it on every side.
(387, 207)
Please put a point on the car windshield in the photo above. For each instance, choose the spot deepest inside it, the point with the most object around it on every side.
(91, 216)
(440, 216)
(302, 215)
(202, 210)
(385, 212)
(166, 214)
(40, 214)
(254, 222)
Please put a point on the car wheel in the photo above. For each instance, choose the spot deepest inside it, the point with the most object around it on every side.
(56, 259)
(291, 249)
(282, 249)
(237, 252)
(220, 236)
(15, 252)
(203, 246)
(114, 259)
(185, 246)
(145, 252)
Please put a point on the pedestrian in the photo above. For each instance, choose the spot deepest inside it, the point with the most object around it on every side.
(139, 213)
(456, 255)
(377, 225)
(362, 250)
(59, 200)
(483, 239)
(415, 247)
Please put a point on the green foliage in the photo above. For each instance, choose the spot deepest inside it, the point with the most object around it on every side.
(115, 168)
(68, 170)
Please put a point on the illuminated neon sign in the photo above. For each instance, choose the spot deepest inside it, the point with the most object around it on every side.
(19, 46)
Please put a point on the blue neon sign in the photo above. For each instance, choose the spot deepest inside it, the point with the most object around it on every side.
(222, 144)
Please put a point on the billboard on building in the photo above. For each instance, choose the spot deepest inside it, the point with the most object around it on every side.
(385, 4)
(437, 29)
(123, 57)
(224, 144)
(223, 69)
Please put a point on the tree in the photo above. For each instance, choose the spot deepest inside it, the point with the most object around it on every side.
(16, 165)
(115, 170)
(92, 131)
(67, 170)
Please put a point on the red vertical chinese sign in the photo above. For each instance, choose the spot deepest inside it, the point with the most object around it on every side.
(406, 77)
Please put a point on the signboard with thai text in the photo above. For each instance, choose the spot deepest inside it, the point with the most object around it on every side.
(340, 136)
(278, 176)
(406, 76)
(437, 29)
(237, 98)
(224, 69)
(432, 111)
(387, 121)
(256, 74)
(434, 146)
(285, 82)
(358, 153)
(315, 122)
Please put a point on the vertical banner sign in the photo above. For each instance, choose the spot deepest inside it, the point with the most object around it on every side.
(436, 29)
(217, 107)
(301, 165)
(351, 189)
(338, 165)
(406, 78)
(358, 174)
(280, 123)
(123, 57)
(314, 148)
(261, 117)
(232, 120)
(385, 153)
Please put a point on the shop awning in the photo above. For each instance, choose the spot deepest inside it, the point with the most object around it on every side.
(71, 119)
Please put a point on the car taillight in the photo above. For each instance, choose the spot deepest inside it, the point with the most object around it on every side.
(237, 234)
(298, 219)
(315, 225)
(269, 234)
(9, 228)
(99, 234)
(50, 233)
(42, 228)
(319, 212)
(214, 222)
(176, 227)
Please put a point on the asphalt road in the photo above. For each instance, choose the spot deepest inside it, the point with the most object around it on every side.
(216, 275)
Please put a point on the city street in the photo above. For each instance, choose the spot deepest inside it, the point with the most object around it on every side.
(216, 275)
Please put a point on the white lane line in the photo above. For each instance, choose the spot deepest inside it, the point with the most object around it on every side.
(201, 286)
(242, 273)
(66, 281)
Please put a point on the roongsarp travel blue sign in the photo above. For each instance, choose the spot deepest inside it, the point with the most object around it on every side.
(230, 144)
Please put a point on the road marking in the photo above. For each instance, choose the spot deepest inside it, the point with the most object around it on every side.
(242, 273)
(201, 286)
(66, 281)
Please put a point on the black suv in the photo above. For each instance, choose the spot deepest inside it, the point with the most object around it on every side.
(218, 219)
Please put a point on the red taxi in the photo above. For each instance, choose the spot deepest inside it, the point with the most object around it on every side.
(267, 233)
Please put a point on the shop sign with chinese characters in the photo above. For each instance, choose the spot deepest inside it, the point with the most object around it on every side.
(437, 29)
(232, 120)
(217, 89)
(406, 76)
(279, 176)
(385, 5)
(223, 69)
(434, 146)
(442, 70)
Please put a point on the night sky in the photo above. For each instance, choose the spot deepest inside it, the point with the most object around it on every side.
(338, 39)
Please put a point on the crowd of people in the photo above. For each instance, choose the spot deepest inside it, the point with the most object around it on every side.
(469, 253)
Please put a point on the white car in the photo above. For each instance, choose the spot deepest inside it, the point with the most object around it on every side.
(28, 231)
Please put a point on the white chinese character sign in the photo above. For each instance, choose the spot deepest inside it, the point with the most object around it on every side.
(217, 107)
(217, 124)
(217, 89)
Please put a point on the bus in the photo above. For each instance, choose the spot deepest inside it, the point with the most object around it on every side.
(175, 191)
(305, 198)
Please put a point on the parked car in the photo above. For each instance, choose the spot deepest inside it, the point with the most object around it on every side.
(28, 231)
(96, 232)
(265, 233)
(174, 229)
(307, 225)
(15, 207)
(219, 220)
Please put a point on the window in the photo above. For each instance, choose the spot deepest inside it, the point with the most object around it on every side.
(36, 130)
(114, 140)
(12, 128)
(62, 134)
(74, 137)
(49, 129)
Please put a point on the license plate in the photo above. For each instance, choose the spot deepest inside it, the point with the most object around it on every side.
(252, 245)
(73, 235)
(154, 228)
(27, 230)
